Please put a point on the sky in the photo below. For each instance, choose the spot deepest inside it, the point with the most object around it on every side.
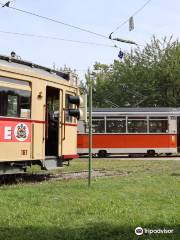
(160, 18)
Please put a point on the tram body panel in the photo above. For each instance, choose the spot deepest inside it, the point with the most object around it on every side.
(70, 136)
(38, 115)
(37, 143)
(131, 130)
(32, 117)
(15, 151)
(116, 143)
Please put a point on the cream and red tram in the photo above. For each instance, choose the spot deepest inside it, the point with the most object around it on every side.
(131, 131)
(35, 128)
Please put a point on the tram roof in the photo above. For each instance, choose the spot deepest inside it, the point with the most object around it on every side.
(23, 64)
(140, 110)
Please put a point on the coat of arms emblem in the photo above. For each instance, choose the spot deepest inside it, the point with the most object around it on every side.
(21, 132)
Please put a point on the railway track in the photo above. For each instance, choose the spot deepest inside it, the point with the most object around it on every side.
(46, 176)
(136, 156)
(40, 177)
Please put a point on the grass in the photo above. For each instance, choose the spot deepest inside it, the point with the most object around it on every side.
(148, 196)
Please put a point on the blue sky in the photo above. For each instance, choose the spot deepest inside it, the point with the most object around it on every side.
(159, 17)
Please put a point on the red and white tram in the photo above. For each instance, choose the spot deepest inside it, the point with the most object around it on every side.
(144, 131)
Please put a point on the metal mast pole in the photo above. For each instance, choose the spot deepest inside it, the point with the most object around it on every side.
(90, 132)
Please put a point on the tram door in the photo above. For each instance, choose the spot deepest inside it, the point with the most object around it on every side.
(52, 121)
(178, 134)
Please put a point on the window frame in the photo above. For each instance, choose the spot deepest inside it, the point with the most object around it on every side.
(160, 119)
(16, 86)
(145, 118)
(115, 119)
(101, 120)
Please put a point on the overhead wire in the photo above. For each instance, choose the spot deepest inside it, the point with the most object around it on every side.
(7, 4)
(56, 21)
(56, 38)
(134, 14)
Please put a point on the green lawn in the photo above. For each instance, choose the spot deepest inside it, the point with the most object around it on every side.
(147, 194)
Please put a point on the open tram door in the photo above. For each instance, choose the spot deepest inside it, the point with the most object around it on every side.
(52, 130)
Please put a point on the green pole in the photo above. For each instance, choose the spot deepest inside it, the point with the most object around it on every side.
(90, 132)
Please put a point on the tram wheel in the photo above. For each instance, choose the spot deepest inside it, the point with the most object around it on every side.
(102, 154)
(151, 153)
(168, 154)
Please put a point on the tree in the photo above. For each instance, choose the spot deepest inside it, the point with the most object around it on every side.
(146, 77)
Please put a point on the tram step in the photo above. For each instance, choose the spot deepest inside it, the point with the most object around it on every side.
(52, 162)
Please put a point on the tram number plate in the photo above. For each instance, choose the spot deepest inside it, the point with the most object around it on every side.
(24, 152)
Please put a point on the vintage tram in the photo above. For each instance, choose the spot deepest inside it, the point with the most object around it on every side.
(35, 127)
(132, 131)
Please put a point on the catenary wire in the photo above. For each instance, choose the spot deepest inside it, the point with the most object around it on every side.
(135, 13)
(56, 21)
(69, 25)
(56, 38)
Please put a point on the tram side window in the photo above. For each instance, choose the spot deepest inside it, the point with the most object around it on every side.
(81, 127)
(12, 106)
(158, 126)
(98, 125)
(137, 126)
(115, 125)
(15, 102)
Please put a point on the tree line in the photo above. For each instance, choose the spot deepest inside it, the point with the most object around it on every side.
(146, 77)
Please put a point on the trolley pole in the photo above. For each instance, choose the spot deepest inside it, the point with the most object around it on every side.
(90, 132)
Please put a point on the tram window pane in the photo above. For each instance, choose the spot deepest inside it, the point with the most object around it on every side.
(52, 101)
(81, 127)
(137, 117)
(16, 81)
(115, 117)
(158, 126)
(137, 126)
(12, 106)
(86, 127)
(98, 118)
(116, 126)
(98, 126)
(157, 117)
(15, 103)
